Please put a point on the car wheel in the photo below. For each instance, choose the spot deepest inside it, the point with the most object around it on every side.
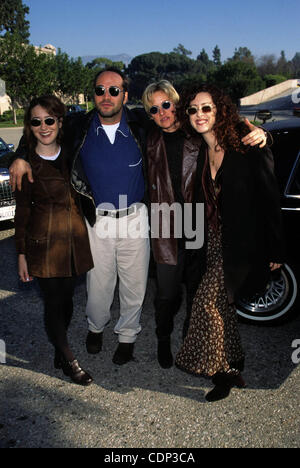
(275, 305)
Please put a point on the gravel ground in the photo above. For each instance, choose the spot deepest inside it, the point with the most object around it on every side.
(138, 405)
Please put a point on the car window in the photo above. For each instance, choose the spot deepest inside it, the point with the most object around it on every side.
(293, 185)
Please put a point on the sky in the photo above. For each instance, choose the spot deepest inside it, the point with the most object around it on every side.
(134, 27)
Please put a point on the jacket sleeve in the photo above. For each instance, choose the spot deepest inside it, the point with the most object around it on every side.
(21, 151)
(269, 199)
(22, 215)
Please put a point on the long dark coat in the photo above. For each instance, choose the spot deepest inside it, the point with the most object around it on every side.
(49, 227)
(249, 210)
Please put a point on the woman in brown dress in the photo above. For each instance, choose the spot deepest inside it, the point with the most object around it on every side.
(51, 237)
(243, 236)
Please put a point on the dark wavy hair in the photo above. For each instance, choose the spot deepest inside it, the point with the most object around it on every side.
(229, 128)
(53, 106)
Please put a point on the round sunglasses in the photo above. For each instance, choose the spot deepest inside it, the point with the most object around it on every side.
(114, 91)
(206, 109)
(36, 122)
(165, 105)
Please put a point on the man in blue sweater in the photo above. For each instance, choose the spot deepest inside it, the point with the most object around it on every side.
(112, 162)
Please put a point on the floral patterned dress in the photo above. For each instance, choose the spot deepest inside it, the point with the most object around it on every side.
(212, 344)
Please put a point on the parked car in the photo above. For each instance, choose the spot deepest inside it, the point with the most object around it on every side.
(74, 108)
(7, 199)
(279, 299)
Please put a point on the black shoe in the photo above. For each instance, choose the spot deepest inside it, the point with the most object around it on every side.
(76, 373)
(219, 392)
(164, 354)
(223, 384)
(94, 342)
(123, 354)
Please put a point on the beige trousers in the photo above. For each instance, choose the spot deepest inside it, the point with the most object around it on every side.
(121, 250)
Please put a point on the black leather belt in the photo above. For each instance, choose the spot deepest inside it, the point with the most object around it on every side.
(118, 213)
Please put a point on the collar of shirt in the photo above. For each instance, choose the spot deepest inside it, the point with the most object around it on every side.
(123, 126)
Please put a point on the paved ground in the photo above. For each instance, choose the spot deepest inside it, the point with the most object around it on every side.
(139, 404)
(11, 135)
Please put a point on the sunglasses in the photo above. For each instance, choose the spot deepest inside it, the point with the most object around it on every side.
(165, 105)
(36, 122)
(114, 91)
(205, 109)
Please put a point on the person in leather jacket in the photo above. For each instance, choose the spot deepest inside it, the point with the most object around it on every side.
(172, 157)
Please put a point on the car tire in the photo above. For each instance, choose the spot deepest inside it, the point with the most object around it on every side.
(276, 304)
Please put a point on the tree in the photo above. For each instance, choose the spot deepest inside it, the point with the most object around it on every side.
(26, 74)
(154, 66)
(180, 49)
(238, 79)
(103, 62)
(203, 58)
(295, 65)
(266, 65)
(272, 80)
(243, 54)
(217, 56)
(12, 18)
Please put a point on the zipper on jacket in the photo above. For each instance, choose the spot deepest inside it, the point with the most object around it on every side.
(76, 156)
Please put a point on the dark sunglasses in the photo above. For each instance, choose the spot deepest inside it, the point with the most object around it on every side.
(114, 91)
(165, 105)
(206, 109)
(35, 122)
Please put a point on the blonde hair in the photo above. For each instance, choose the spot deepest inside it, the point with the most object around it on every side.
(163, 85)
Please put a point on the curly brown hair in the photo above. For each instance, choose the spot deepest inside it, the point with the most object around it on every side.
(53, 105)
(229, 128)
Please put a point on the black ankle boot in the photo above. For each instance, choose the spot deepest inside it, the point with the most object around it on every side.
(123, 354)
(94, 342)
(164, 353)
(223, 384)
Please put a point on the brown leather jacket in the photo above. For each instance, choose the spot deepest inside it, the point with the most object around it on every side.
(49, 228)
(161, 190)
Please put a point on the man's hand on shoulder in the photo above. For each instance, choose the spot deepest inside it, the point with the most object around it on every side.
(257, 136)
(16, 171)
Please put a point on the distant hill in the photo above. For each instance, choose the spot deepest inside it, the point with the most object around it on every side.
(115, 58)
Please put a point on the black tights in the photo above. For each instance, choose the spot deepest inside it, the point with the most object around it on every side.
(58, 303)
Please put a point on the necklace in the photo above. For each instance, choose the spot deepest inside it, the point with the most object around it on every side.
(215, 158)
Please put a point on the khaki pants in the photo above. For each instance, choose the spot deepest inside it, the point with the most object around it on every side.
(120, 249)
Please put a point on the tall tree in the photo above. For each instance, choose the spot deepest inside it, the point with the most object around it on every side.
(12, 19)
(295, 63)
(180, 49)
(217, 56)
(266, 65)
(283, 66)
(243, 54)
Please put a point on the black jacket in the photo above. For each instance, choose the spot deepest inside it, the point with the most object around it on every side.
(249, 207)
